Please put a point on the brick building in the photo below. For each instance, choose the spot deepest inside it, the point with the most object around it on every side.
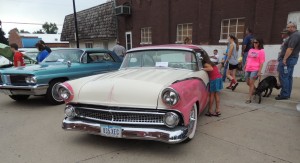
(25, 40)
(205, 21)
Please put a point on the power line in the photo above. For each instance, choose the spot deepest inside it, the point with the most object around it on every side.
(28, 23)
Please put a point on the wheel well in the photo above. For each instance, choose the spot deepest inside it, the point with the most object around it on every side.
(61, 78)
(198, 107)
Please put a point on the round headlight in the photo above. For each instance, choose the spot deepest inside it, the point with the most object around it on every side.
(64, 93)
(30, 79)
(70, 111)
(171, 119)
(170, 96)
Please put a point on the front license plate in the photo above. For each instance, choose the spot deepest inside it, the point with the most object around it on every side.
(7, 92)
(111, 131)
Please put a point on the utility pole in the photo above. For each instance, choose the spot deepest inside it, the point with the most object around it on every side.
(76, 27)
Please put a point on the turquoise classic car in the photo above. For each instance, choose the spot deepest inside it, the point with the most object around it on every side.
(61, 65)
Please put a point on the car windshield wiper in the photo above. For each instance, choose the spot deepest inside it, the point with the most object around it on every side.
(52, 61)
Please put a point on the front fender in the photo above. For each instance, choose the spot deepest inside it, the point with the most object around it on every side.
(191, 91)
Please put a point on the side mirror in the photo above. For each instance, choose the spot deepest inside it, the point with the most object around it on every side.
(199, 56)
(69, 63)
(298, 107)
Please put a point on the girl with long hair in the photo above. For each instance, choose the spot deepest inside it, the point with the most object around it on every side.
(215, 84)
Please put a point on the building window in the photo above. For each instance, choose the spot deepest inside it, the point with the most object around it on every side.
(88, 45)
(234, 26)
(146, 35)
(183, 31)
(294, 17)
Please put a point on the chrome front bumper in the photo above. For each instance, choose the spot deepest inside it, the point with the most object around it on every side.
(24, 90)
(157, 133)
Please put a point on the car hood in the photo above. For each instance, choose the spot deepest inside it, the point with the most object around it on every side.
(138, 88)
(34, 69)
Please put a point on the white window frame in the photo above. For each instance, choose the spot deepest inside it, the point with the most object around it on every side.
(224, 40)
(183, 34)
(127, 42)
(146, 36)
(89, 43)
(294, 17)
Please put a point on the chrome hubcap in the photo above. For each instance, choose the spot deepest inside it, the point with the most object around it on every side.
(55, 94)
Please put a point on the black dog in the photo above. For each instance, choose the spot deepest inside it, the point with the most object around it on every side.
(266, 85)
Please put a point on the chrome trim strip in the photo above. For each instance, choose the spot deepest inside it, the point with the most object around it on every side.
(25, 90)
(158, 133)
(120, 111)
(4, 86)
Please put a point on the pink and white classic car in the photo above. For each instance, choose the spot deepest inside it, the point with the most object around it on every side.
(157, 94)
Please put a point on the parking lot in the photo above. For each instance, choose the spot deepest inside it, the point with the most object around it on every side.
(245, 133)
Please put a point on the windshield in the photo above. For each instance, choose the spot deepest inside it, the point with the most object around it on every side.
(161, 58)
(64, 56)
(31, 55)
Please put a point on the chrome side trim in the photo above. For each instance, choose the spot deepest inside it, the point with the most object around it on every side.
(157, 133)
(121, 111)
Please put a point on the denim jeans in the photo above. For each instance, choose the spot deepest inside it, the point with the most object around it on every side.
(225, 71)
(244, 59)
(286, 79)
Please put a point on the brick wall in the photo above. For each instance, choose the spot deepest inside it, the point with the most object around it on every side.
(58, 45)
(14, 38)
(267, 18)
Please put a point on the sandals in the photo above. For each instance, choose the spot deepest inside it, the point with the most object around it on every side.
(229, 87)
(209, 114)
(248, 101)
(216, 114)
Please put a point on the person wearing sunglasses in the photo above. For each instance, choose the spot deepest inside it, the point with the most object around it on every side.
(253, 66)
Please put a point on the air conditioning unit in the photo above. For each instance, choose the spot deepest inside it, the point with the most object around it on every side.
(123, 10)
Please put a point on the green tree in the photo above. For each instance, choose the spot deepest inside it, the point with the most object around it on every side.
(39, 32)
(50, 28)
(3, 40)
(23, 31)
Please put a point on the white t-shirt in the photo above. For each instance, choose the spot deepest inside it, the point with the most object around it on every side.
(217, 58)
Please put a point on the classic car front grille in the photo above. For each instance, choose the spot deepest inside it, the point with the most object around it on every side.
(120, 117)
(17, 79)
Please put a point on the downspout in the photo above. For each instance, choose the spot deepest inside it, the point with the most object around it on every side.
(117, 24)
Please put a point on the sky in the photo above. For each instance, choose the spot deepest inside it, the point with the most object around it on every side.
(39, 12)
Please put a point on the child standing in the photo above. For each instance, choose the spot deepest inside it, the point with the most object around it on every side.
(215, 85)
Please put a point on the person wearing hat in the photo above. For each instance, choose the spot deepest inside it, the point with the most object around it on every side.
(284, 36)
